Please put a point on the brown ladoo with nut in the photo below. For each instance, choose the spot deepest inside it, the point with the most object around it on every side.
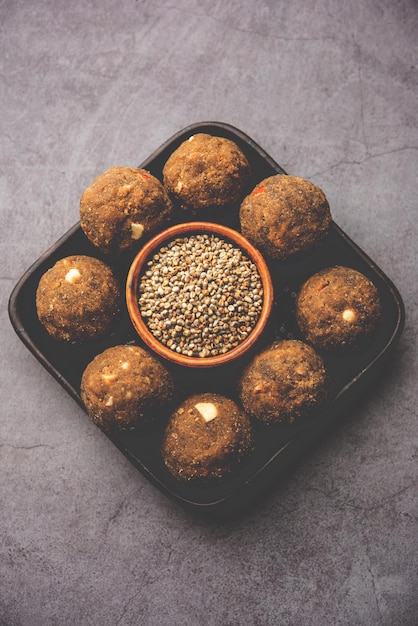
(337, 308)
(121, 206)
(124, 387)
(206, 438)
(283, 383)
(78, 299)
(285, 215)
(206, 172)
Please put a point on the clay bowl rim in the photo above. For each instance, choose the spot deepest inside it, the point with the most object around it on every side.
(136, 271)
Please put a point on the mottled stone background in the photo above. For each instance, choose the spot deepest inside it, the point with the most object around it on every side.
(329, 89)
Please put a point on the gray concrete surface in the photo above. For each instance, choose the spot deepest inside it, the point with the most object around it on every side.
(329, 89)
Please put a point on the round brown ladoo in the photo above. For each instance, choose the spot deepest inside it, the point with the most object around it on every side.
(121, 206)
(78, 299)
(337, 307)
(283, 383)
(125, 386)
(206, 438)
(206, 172)
(285, 215)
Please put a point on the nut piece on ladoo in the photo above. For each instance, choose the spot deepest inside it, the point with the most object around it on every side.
(285, 215)
(121, 206)
(283, 383)
(337, 307)
(125, 386)
(206, 438)
(206, 172)
(78, 299)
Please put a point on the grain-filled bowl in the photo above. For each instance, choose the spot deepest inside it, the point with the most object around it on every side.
(199, 294)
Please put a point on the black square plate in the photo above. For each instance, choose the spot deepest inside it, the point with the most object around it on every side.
(276, 446)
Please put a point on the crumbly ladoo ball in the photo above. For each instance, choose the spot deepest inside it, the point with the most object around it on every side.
(206, 438)
(285, 215)
(206, 172)
(283, 383)
(125, 386)
(337, 307)
(121, 206)
(78, 299)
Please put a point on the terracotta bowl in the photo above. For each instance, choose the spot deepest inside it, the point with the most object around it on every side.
(138, 267)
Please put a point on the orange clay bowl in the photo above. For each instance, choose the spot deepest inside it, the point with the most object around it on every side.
(138, 267)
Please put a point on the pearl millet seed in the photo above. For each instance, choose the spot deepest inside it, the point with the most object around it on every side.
(200, 295)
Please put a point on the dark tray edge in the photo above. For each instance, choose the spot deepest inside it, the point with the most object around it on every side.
(18, 324)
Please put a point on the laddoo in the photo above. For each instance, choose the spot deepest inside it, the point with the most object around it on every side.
(78, 299)
(337, 307)
(124, 387)
(206, 438)
(285, 215)
(283, 382)
(121, 206)
(205, 172)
